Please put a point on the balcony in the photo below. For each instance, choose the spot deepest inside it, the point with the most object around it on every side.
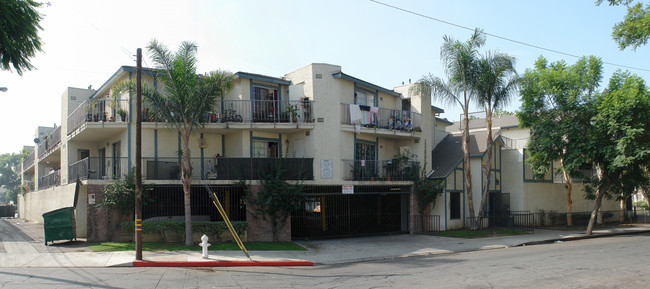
(50, 142)
(384, 121)
(28, 163)
(98, 118)
(95, 168)
(229, 168)
(52, 179)
(263, 111)
(382, 170)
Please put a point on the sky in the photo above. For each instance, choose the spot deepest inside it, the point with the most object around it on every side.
(85, 42)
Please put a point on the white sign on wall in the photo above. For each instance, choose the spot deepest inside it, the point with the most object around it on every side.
(326, 170)
(348, 190)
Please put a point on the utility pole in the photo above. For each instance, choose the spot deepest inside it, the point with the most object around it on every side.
(138, 157)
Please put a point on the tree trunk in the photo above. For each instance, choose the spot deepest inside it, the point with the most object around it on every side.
(488, 173)
(600, 192)
(621, 215)
(186, 177)
(466, 165)
(569, 202)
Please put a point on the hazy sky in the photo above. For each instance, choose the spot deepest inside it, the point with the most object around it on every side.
(85, 42)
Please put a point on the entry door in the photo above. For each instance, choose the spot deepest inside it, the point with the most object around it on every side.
(117, 171)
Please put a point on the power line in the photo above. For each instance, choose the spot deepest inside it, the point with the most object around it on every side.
(500, 37)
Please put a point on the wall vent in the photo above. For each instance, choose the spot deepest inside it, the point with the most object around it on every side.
(319, 76)
(320, 119)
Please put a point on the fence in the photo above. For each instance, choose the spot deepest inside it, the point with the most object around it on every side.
(383, 170)
(50, 180)
(503, 223)
(580, 219)
(384, 118)
(269, 111)
(98, 111)
(426, 224)
(29, 161)
(166, 203)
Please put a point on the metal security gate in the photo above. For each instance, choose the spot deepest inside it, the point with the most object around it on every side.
(165, 202)
(326, 215)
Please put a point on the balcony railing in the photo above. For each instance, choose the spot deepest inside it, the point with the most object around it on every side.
(49, 142)
(98, 111)
(95, 168)
(229, 168)
(382, 170)
(28, 186)
(382, 118)
(50, 180)
(29, 161)
(263, 111)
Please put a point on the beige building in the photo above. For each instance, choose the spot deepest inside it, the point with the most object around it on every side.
(341, 136)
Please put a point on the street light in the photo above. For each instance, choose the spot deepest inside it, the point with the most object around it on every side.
(3, 89)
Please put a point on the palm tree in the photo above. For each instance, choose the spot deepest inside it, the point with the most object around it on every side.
(459, 60)
(19, 38)
(182, 101)
(497, 81)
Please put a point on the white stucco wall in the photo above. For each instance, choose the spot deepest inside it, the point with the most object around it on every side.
(34, 204)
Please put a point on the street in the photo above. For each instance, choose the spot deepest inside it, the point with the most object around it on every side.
(613, 262)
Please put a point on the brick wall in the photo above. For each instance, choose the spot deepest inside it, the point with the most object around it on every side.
(260, 230)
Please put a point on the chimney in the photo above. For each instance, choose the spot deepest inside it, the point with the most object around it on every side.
(409, 81)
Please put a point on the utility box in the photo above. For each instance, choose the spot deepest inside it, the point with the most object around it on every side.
(60, 224)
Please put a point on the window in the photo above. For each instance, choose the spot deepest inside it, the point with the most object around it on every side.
(365, 160)
(454, 205)
(265, 149)
(529, 176)
(265, 104)
(365, 98)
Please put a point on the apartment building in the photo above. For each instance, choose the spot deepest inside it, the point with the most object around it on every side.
(341, 136)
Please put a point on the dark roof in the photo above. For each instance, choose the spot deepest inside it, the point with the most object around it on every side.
(506, 121)
(116, 75)
(437, 109)
(342, 75)
(444, 120)
(264, 78)
(449, 152)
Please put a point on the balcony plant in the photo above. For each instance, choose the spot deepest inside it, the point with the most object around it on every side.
(122, 114)
(292, 111)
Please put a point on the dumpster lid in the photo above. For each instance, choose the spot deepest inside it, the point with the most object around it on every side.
(76, 193)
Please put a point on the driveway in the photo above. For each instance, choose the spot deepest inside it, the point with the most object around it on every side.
(20, 237)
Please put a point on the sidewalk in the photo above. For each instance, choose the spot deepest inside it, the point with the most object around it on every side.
(320, 252)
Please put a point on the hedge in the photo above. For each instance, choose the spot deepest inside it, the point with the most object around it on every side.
(216, 228)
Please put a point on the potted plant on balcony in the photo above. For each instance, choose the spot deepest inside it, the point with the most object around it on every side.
(292, 110)
(122, 114)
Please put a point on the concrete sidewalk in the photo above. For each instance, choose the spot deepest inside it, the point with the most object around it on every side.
(333, 251)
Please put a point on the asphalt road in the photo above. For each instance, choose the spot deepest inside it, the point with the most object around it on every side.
(614, 262)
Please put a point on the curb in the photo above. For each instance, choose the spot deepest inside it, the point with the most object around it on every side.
(221, 263)
(575, 238)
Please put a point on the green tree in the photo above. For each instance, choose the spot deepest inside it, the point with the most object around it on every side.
(19, 40)
(10, 174)
(496, 83)
(275, 199)
(634, 30)
(460, 62)
(183, 100)
(555, 99)
(621, 126)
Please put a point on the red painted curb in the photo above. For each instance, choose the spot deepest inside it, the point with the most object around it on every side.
(219, 263)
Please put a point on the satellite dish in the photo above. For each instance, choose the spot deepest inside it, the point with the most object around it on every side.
(37, 140)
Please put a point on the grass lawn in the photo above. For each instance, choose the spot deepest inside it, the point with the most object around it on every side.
(258, 246)
(479, 234)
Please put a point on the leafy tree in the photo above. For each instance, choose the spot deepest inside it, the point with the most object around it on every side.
(496, 82)
(460, 62)
(182, 102)
(19, 40)
(10, 174)
(555, 99)
(622, 127)
(499, 112)
(634, 30)
(275, 199)
(426, 190)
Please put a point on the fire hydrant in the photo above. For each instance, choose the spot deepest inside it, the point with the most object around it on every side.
(205, 245)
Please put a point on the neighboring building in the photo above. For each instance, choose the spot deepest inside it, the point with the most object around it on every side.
(512, 188)
(337, 133)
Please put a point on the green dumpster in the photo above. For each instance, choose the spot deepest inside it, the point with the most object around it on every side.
(60, 224)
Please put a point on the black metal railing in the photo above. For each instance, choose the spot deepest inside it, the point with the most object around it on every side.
(29, 161)
(229, 168)
(382, 118)
(103, 110)
(579, 219)
(426, 224)
(264, 111)
(95, 168)
(165, 202)
(502, 223)
(49, 142)
(383, 170)
(52, 179)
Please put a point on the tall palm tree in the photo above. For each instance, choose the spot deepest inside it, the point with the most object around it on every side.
(496, 83)
(182, 101)
(460, 62)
